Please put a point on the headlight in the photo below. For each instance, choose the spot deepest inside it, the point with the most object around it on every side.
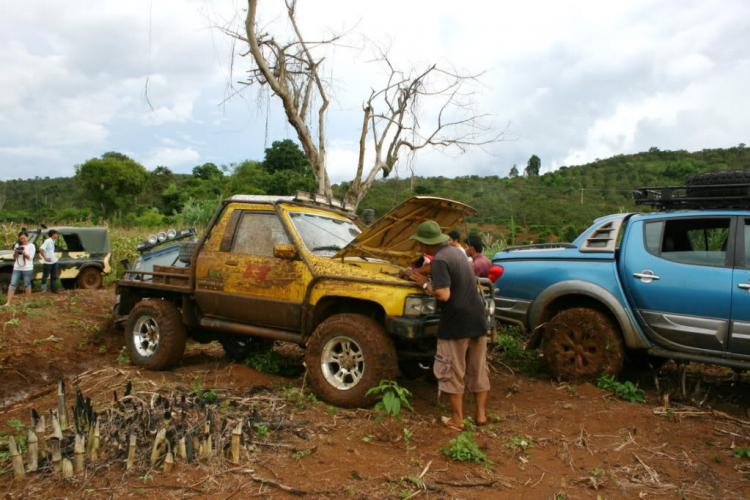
(162, 236)
(152, 239)
(416, 305)
(171, 233)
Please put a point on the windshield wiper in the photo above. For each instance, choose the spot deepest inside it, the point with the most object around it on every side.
(327, 247)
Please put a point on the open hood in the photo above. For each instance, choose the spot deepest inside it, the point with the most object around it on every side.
(388, 237)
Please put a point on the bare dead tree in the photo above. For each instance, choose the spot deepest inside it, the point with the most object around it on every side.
(393, 121)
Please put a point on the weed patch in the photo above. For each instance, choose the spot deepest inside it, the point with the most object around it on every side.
(464, 449)
(624, 390)
(273, 362)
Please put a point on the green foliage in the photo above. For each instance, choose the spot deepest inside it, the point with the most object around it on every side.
(208, 396)
(301, 454)
(626, 391)
(124, 357)
(509, 345)
(16, 424)
(743, 452)
(272, 362)
(285, 155)
(391, 397)
(112, 183)
(262, 430)
(464, 449)
(533, 166)
(519, 443)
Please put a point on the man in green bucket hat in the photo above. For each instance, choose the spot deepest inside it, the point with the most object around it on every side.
(461, 358)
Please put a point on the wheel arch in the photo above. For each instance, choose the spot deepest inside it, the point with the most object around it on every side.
(574, 293)
(335, 304)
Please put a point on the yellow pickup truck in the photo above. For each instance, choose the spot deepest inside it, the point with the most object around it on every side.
(297, 269)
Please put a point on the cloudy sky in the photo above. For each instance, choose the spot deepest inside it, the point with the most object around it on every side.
(574, 81)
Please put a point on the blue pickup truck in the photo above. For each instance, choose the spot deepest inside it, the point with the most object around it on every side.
(670, 284)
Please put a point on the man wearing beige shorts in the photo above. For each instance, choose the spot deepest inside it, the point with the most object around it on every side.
(461, 359)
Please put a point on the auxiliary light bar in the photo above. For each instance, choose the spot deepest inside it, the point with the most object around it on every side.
(323, 200)
(164, 237)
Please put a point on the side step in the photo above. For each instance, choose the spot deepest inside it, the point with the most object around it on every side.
(709, 360)
(254, 331)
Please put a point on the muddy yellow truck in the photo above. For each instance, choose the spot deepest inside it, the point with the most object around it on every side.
(297, 269)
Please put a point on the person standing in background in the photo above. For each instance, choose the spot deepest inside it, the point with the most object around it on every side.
(454, 240)
(47, 251)
(479, 263)
(23, 267)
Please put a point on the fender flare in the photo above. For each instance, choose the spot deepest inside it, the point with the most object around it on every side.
(632, 335)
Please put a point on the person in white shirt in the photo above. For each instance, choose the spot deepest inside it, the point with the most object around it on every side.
(454, 240)
(23, 267)
(50, 270)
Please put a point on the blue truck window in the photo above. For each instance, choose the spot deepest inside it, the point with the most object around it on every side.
(701, 241)
(653, 237)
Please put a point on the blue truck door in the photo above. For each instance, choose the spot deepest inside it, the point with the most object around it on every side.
(739, 337)
(677, 272)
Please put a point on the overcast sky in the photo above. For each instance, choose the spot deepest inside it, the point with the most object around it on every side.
(576, 80)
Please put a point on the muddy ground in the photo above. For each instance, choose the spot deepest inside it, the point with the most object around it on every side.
(546, 440)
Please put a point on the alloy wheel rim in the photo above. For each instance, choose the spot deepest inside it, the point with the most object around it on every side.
(342, 362)
(146, 336)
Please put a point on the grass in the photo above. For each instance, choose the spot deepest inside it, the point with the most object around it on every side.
(273, 362)
(509, 347)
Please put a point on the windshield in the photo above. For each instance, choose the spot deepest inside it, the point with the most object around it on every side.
(323, 235)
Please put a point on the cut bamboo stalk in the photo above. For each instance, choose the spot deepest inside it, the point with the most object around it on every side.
(67, 468)
(131, 451)
(182, 449)
(16, 459)
(32, 441)
(55, 444)
(79, 450)
(160, 437)
(40, 430)
(61, 413)
(96, 442)
(196, 447)
(168, 462)
(236, 441)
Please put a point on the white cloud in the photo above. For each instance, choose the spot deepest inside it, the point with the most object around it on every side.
(171, 157)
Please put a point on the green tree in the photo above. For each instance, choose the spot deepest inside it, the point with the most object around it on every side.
(207, 172)
(286, 155)
(533, 166)
(112, 183)
(513, 172)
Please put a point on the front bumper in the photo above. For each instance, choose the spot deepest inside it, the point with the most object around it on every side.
(411, 328)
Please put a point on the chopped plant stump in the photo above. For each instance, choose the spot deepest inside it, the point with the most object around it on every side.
(143, 431)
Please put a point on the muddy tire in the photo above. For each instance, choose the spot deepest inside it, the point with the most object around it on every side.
(718, 177)
(155, 334)
(582, 344)
(187, 248)
(4, 283)
(89, 279)
(239, 347)
(347, 355)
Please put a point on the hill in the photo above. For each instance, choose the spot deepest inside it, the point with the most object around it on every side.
(554, 205)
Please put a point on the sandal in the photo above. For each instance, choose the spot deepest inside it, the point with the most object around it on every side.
(447, 422)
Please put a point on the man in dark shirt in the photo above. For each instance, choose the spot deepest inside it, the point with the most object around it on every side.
(479, 263)
(461, 359)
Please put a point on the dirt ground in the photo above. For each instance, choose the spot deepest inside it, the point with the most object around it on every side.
(546, 440)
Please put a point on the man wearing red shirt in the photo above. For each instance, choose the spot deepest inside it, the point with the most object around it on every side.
(479, 263)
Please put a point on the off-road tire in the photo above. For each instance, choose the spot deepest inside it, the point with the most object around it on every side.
(581, 344)
(172, 335)
(89, 279)
(187, 248)
(239, 347)
(4, 283)
(379, 356)
(68, 283)
(718, 177)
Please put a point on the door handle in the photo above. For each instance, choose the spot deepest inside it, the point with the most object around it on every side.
(646, 276)
(231, 262)
(744, 286)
